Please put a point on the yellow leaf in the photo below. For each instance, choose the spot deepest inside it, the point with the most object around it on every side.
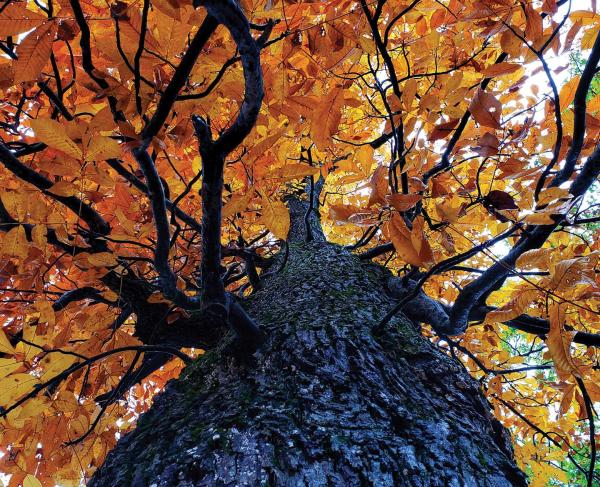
(539, 219)
(15, 243)
(16, 19)
(536, 258)
(567, 92)
(276, 217)
(54, 364)
(559, 343)
(54, 134)
(7, 365)
(34, 52)
(548, 195)
(31, 481)
(572, 272)
(5, 346)
(14, 386)
(513, 308)
(15, 203)
(101, 148)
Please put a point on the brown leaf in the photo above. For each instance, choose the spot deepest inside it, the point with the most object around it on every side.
(500, 200)
(34, 52)
(486, 109)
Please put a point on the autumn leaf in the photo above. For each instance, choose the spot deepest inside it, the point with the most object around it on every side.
(34, 52)
(515, 307)
(500, 69)
(411, 246)
(342, 213)
(559, 343)
(500, 200)
(103, 259)
(237, 203)
(31, 481)
(15, 19)
(14, 386)
(276, 217)
(488, 145)
(101, 148)
(486, 109)
(572, 272)
(534, 24)
(5, 346)
(295, 171)
(54, 134)
(567, 92)
(14, 243)
(536, 258)
(443, 130)
(379, 186)
(7, 365)
(64, 188)
(403, 202)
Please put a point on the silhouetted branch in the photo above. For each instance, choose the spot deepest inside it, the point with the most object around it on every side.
(80, 365)
(97, 224)
(168, 279)
(589, 409)
(79, 294)
(579, 109)
(179, 79)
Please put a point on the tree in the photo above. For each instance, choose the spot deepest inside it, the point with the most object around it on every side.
(365, 228)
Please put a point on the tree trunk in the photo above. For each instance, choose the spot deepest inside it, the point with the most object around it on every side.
(323, 401)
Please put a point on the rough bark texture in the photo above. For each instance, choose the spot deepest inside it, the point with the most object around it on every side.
(323, 402)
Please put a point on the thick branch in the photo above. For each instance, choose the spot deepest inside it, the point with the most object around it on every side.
(535, 237)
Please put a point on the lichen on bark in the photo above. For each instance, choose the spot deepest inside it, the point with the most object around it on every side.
(323, 401)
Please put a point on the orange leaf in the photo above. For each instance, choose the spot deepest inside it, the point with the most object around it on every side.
(295, 171)
(64, 188)
(567, 92)
(34, 52)
(16, 19)
(411, 246)
(237, 204)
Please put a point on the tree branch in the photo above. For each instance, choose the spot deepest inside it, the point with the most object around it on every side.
(534, 238)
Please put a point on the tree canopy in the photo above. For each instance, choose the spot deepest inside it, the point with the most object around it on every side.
(149, 150)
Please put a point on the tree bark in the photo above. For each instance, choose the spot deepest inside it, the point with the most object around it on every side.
(323, 402)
